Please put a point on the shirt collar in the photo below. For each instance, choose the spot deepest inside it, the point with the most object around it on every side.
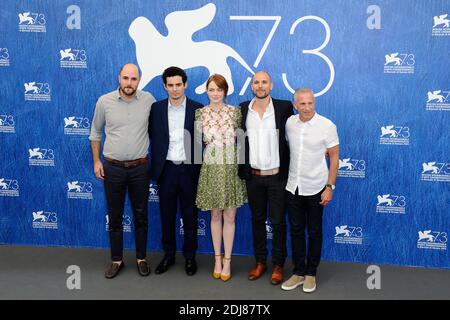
(182, 106)
(311, 122)
(270, 108)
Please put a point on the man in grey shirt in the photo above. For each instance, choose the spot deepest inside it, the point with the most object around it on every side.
(123, 116)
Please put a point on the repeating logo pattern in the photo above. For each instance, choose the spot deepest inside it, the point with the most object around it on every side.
(399, 63)
(433, 240)
(41, 157)
(45, 220)
(391, 203)
(201, 227)
(269, 230)
(395, 135)
(441, 25)
(436, 171)
(126, 223)
(153, 193)
(438, 100)
(77, 126)
(9, 187)
(32, 22)
(7, 123)
(37, 91)
(79, 190)
(73, 58)
(352, 168)
(348, 235)
(4, 57)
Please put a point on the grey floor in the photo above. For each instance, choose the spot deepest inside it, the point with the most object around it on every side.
(40, 273)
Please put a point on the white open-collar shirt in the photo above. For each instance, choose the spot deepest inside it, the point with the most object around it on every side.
(263, 138)
(308, 143)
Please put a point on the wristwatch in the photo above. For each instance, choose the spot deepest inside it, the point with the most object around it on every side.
(332, 186)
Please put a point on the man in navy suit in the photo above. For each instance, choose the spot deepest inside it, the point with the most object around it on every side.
(171, 129)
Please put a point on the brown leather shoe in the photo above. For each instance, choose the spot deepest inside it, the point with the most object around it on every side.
(277, 275)
(257, 271)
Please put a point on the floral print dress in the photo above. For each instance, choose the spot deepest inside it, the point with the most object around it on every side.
(219, 186)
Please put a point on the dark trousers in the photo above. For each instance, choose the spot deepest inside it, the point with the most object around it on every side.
(305, 212)
(269, 191)
(117, 182)
(177, 184)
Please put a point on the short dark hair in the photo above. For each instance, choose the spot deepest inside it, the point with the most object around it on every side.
(172, 72)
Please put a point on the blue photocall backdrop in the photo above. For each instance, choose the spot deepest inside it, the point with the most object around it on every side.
(380, 72)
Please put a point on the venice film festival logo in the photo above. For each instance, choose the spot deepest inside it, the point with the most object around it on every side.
(201, 227)
(73, 58)
(348, 235)
(153, 193)
(269, 230)
(211, 54)
(352, 168)
(126, 222)
(7, 123)
(45, 220)
(77, 126)
(9, 187)
(37, 91)
(32, 22)
(4, 57)
(41, 157)
(438, 100)
(391, 203)
(441, 25)
(399, 63)
(435, 240)
(395, 135)
(435, 171)
(79, 190)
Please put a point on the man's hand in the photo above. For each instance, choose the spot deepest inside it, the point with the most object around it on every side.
(326, 196)
(98, 170)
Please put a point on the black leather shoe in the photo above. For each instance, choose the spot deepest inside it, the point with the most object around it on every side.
(164, 265)
(143, 268)
(113, 270)
(190, 267)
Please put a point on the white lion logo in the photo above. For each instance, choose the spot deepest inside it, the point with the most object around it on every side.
(1, 122)
(388, 130)
(73, 186)
(35, 153)
(3, 184)
(155, 52)
(153, 190)
(67, 54)
(70, 121)
(392, 58)
(435, 95)
(342, 230)
(385, 199)
(426, 235)
(441, 20)
(346, 164)
(25, 17)
(39, 216)
(31, 87)
(430, 166)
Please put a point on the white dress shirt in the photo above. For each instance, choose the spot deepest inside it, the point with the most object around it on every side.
(176, 116)
(308, 143)
(263, 138)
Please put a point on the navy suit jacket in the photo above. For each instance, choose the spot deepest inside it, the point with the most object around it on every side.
(159, 136)
(283, 110)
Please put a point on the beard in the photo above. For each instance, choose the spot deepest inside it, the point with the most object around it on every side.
(261, 94)
(128, 93)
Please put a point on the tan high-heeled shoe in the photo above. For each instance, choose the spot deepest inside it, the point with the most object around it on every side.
(225, 277)
(216, 275)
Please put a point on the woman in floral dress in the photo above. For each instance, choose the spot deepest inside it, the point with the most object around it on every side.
(220, 189)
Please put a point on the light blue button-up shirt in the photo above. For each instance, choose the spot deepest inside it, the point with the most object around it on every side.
(176, 132)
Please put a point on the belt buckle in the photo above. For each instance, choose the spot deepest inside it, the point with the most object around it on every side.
(126, 164)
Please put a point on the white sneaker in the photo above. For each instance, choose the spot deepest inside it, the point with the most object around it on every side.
(293, 282)
(310, 284)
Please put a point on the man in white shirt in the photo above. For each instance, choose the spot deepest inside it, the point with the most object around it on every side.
(310, 185)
